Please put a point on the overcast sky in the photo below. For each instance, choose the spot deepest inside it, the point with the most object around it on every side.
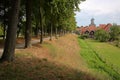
(103, 11)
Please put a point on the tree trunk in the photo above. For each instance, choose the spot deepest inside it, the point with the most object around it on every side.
(18, 31)
(10, 42)
(56, 33)
(41, 26)
(45, 31)
(51, 32)
(37, 29)
(28, 29)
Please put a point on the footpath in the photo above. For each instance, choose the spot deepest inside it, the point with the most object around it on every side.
(21, 45)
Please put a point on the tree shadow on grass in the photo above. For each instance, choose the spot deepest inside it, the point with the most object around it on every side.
(31, 68)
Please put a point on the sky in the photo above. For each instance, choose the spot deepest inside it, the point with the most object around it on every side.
(103, 11)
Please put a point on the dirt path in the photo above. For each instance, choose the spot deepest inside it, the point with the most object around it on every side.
(21, 45)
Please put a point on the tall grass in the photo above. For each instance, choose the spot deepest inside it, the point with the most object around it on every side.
(96, 63)
(47, 62)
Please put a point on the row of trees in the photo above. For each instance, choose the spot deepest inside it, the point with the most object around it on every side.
(28, 16)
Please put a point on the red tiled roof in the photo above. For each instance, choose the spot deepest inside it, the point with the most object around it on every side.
(105, 27)
(91, 28)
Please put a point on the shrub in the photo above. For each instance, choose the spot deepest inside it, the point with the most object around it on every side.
(114, 32)
(102, 35)
(117, 42)
(84, 36)
(77, 32)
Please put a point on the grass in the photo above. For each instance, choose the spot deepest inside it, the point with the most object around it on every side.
(89, 51)
(35, 69)
(65, 51)
(109, 53)
(56, 60)
(52, 49)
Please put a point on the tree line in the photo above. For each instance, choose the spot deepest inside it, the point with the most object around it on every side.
(112, 36)
(31, 17)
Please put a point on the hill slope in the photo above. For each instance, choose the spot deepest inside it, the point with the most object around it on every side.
(56, 60)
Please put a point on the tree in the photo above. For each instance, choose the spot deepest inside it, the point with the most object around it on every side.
(54, 15)
(4, 8)
(42, 17)
(28, 28)
(9, 49)
(102, 35)
(114, 32)
(36, 18)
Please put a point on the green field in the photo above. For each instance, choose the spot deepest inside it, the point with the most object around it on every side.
(109, 53)
(102, 58)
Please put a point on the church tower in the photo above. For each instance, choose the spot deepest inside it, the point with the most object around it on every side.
(92, 22)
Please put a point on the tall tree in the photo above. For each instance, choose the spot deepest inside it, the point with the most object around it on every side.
(36, 14)
(9, 49)
(28, 28)
(41, 11)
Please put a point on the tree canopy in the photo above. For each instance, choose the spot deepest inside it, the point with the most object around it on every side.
(31, 17)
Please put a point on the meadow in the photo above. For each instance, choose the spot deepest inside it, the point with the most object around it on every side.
(66, 58)
(109, 53)
(102, 58)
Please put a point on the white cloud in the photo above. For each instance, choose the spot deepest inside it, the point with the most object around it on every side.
(98, 7)
(104, 11)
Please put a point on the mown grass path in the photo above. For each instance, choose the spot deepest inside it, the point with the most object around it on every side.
(95, 62)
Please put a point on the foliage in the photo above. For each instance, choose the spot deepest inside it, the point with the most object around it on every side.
(77, 32)
(1, 30)
(114, 32)
(113, 35)
(37, 14)
(84, 36)
(117, 43)
(102, 35)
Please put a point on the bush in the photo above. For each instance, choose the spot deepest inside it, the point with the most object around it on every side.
(84, 36)
(114, 32)
(117, 43)
(77, 32)
(102, 35)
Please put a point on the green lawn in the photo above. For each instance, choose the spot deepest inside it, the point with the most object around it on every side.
(100, 58)
(109, 53)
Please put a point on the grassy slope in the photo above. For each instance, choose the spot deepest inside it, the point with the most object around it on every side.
(56, 60)
(66, 51)
(95, 62)
(109, 53)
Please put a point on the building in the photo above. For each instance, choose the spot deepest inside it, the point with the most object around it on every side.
(92, 22)
(105, 27)
(90, 30)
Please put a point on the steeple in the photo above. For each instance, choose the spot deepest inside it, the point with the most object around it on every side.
(92, 22)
